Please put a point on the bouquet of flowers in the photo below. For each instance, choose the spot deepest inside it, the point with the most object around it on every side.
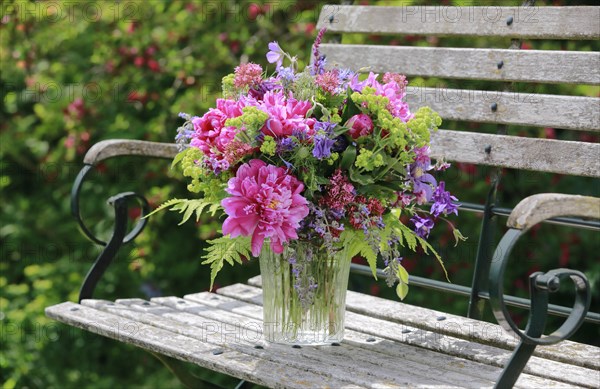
(321, 156)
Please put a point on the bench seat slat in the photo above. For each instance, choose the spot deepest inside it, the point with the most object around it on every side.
(528, 109)
(185, 348)
(473, 64)
(371, 366)
(528, 22)
(544, 155)
(213, 326)
(188, 349)
(565, 352)
(357, 324)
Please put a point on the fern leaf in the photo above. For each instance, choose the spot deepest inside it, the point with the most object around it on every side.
(225, 249)
(358, 245)
(166, 204)
(214, 208)
(409, 236)
(189, 207)
(426, 248)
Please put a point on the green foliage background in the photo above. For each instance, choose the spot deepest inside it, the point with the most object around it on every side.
(75, 73)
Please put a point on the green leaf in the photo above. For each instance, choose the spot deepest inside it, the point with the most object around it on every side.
(225, 249)
(427, 248)
(375, 189)
(458, 236)
(360, 178)
(351, 108)
(348, 157)
(178, 158)
(188, 208)
(166, 204)
(402, 274)
(357, 244)
(340, 130)
(402, 290)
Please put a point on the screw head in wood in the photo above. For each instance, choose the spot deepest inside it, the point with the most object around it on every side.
(331, 19)
(488, 149)
(494, 107)
(509, 20)
(500, 64)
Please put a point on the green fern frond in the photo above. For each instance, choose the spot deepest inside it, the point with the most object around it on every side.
(358, 245)
(427, 248)
(225, 249)
(165, 205)
(188, 208)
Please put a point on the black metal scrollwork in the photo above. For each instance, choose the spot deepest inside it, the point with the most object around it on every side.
(540, 286)
(119, 237)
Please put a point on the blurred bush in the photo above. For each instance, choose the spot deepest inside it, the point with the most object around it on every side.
(77, 72)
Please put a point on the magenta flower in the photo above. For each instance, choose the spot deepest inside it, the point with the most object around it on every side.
(265, 203)
(394, 89)
(360, 125)
(210, 133)
(286, 115)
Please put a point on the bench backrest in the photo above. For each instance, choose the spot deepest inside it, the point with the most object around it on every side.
(511, 71)
(505, 63)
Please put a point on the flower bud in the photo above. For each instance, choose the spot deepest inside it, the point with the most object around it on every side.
(360, 125)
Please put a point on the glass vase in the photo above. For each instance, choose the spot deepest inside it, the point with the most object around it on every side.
(304, 294)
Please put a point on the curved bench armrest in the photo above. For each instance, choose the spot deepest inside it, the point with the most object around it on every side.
(117, 147)
(539, 207)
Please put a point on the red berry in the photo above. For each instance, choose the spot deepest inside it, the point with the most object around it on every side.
(153, 65)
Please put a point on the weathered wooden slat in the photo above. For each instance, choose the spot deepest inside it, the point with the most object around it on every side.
(205, 324)
(536, 208)
(569, 352)
(475, 64)
(359, 328)
(188, 349)
(370, 368)
(544, 155)
(424, 339)
(530, 109)
(119, 147)
(527, 22)
(403, 348)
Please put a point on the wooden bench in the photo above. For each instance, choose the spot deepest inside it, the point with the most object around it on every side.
(388, 343)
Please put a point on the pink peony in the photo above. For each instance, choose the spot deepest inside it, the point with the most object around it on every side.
(286, 115)
(360, 125)
(210, 133)
(265, 203)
